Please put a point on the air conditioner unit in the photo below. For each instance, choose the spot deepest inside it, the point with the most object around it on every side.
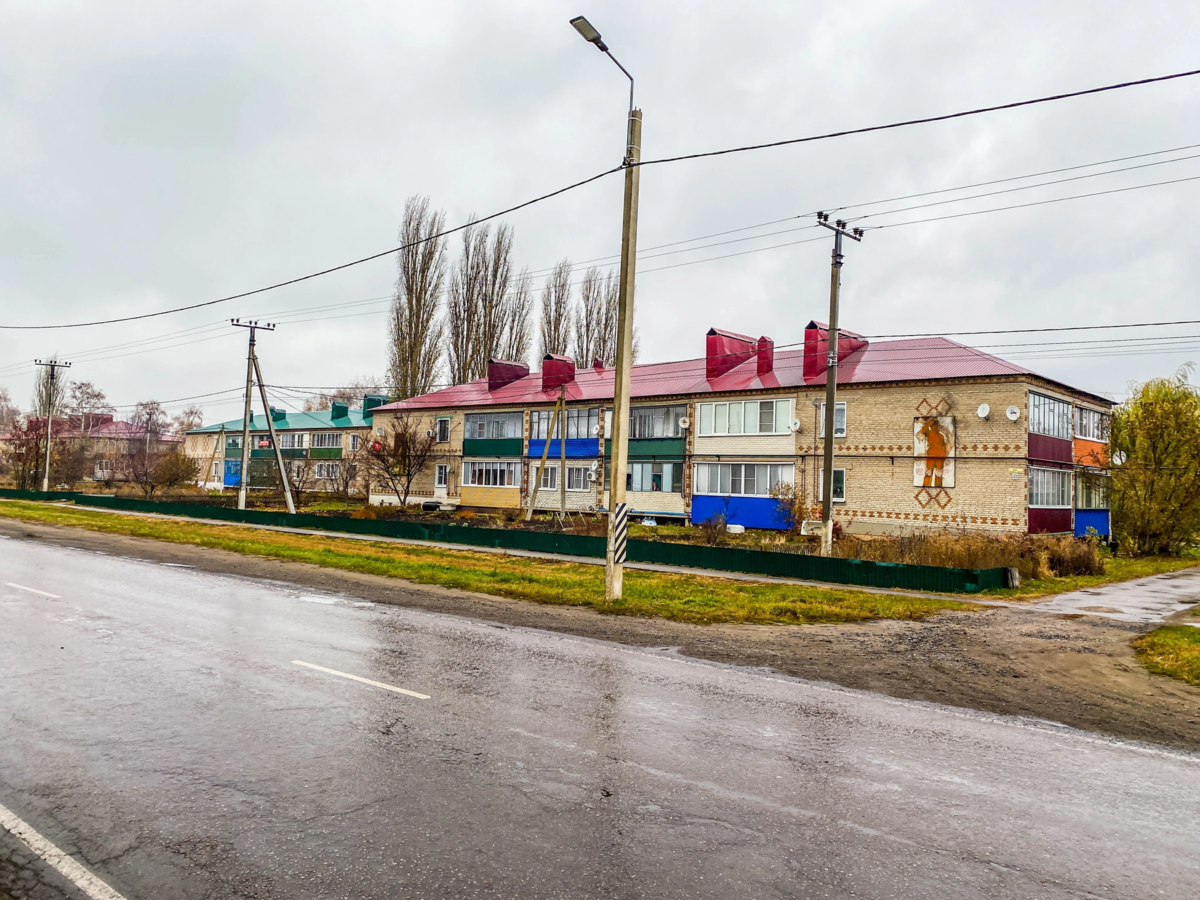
(591, 476)
(429, 433)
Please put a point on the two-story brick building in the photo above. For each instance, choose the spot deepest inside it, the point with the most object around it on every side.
(319, 447)
(928, 432)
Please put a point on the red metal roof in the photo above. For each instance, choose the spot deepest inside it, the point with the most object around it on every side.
(911, 359)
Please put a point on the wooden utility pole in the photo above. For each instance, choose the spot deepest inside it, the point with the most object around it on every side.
(54, 365)
(252, 370)
(831, 364)
(537, 483)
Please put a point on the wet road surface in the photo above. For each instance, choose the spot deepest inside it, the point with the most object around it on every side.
(1146, 600)
(158, 726)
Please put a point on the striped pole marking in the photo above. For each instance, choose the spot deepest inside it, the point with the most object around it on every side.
(620, 533)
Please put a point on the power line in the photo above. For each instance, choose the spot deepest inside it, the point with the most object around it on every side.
(338, 268)
(924, 121)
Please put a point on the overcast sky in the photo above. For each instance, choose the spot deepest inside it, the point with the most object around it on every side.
(154, 155)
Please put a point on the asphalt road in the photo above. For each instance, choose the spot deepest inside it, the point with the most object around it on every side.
(158, 729)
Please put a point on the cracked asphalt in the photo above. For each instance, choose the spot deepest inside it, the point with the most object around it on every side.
(157, 728)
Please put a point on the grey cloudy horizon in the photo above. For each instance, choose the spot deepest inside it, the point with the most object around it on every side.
(154, 156)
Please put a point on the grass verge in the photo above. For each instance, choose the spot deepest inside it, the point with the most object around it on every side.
(1116, 569)
(682, 598)
(1173, 650)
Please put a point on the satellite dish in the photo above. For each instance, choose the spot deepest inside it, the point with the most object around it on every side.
(593, 467)
(596, 429)
(1013, 413)
(1118, 458)
(685, 423)
(984, 411)
(795, 426)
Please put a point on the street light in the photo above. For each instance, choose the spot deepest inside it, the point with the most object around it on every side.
(618, 509)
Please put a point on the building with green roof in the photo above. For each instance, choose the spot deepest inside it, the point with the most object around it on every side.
(320, 447)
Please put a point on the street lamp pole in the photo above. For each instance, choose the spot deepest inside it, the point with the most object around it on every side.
(618, 509)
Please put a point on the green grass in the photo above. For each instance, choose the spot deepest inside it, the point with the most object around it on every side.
(682, 598)
(1173, 650)
(1116, 569)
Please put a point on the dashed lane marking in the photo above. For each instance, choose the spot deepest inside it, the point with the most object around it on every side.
(21, 587)
(75, 873)
(378, 684)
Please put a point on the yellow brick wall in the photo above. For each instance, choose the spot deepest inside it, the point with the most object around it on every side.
(494, 497)
(877, 454)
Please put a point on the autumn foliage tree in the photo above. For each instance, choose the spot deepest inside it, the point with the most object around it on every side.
(1155, 453)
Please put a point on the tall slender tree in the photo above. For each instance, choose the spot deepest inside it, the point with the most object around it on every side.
(518, 337)
(88, 402)
(554, 333)
(465, 306)
(416, 328)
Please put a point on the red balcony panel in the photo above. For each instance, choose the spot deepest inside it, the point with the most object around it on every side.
(1049, 521)
(1051, 449)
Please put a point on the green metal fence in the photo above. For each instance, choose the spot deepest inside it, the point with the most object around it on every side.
(14, 494)
(724, 559)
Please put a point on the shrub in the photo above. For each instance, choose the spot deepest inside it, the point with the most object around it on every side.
(713, 530)
(1034, 555)
(367, 512)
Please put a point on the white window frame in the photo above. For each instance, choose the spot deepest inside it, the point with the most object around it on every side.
(513, 421)
(1042, 489)
(549, 480)
(504, 473)
(642, 418)
(355, 442)
(839, 409)
(1102, 486)
(577, 478)
(216, 469)
(731, 483)
(742, 417)
(1091, 424)
(327, 470)
(645, 470)
(326, 440)
(442, 430)
(293, 440)
(1049, 416)
(441, 474)
(821, 485)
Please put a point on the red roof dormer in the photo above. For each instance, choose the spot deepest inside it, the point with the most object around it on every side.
(557, 370)
(726, 350)
(816, 347)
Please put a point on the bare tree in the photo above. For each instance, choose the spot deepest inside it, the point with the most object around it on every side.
(464, 309)
(589, 338)
(190, 418)
(150, 415)
(88, 402)
(351, 470)
(351, 394)
(400, 455)
(416, 330)
(49, 392)
(518, 337)
(8, 411)
(554, 335)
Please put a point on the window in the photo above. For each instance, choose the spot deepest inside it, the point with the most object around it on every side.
(104, 468)
(262, 441)
(326, 440)
(355, 442)
(581, 423)
(1091, 425)
(549, 478)
(327, 471)
(577, 478)
(1049, 416)
(654, 476)
(745, 417)
(741, 479)
(493, 426)
(441, 472)
(1091, 491)
(293, 440)
(493, 474)
(656, 421)
(216, 469)
(839, 420)
(443, 431)
(296, 473)
(839, 485)
(1050, 488)
(233, 442)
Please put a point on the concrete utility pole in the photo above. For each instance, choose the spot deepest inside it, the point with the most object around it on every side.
(54, 365)
(253, 370)
(618, 510)
(831, 364)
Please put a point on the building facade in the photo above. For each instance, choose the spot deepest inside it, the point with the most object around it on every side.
(928, 433)
(321, 449)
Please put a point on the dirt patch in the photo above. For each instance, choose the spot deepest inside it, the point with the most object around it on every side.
(1076, 670)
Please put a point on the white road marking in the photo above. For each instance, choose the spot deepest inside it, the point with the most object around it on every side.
(73, 871)
(21, 587)
(378, 684)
